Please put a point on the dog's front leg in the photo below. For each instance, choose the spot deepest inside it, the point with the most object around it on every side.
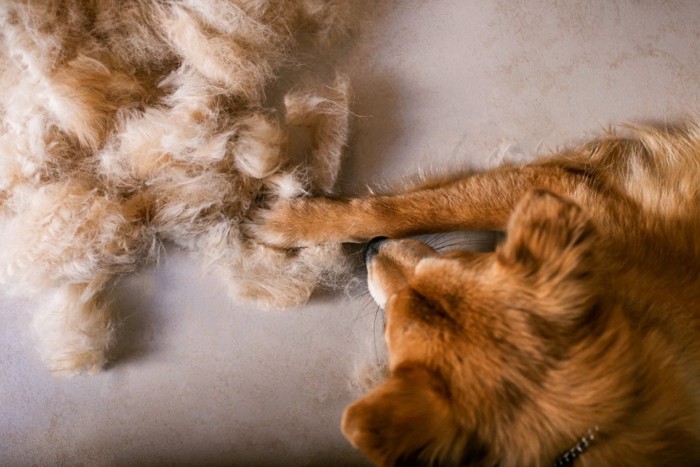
(477, 202)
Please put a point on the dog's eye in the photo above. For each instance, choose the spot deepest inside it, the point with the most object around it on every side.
(429, 310)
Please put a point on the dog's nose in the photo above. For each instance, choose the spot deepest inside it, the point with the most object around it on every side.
(373, 246)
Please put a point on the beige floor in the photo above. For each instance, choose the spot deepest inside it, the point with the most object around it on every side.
(439, 84)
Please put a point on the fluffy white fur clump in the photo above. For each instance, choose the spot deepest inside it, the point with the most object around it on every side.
(126, 122)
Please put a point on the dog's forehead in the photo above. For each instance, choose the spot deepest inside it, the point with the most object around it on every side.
(440, 300)
(451, 307)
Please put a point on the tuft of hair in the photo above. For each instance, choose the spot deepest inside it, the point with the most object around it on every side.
(124, 124)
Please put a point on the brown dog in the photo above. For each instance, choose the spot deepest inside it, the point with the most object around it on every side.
(578, 337)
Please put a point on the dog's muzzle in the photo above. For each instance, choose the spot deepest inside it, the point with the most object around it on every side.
(372, 248)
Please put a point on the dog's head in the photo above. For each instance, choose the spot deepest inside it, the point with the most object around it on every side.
(473, 336)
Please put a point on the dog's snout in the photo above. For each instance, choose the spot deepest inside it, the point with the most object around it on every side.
(373, 246)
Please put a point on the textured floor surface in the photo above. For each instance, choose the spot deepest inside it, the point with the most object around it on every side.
(202, 380)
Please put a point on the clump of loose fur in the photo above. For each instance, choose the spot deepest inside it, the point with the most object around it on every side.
(123, 123)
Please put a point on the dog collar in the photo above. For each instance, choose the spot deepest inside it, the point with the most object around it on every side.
(569, 456)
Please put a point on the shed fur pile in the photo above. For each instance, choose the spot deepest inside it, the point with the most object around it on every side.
(128, 122)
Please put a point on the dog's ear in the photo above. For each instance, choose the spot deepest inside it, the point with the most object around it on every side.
(550, 245)
(406, 421)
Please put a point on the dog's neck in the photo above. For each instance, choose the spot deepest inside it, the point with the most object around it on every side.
(577, 397)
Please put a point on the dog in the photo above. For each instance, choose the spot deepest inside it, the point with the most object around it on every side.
(576, 340)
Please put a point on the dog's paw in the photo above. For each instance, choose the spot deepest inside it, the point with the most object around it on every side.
(302, 222)
(287, 224)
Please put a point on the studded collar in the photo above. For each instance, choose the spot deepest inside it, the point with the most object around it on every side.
(567, 458)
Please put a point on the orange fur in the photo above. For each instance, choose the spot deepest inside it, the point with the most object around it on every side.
(587, 315)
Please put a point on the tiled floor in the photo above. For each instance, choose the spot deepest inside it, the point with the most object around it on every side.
(438, 85)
